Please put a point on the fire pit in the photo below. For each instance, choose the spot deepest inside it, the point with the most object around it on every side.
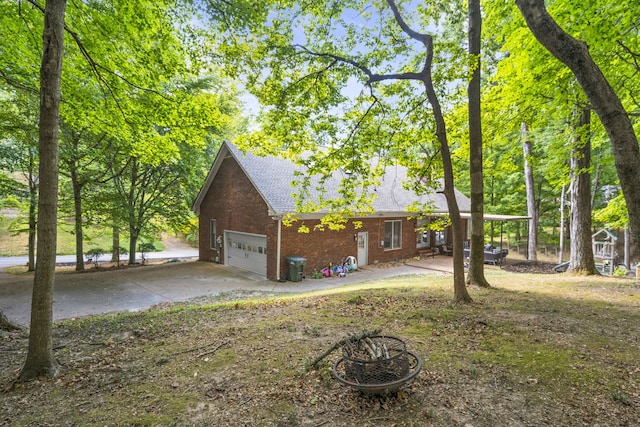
(376, 365)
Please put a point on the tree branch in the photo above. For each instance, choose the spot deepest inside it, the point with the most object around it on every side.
(633, 55)
(342, 59)
(425, 39)
(96, 67)
(422, 38)
(372, 77)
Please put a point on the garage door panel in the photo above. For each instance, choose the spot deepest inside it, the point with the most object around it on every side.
(247, 251)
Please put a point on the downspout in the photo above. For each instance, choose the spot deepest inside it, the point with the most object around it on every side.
(278, 249)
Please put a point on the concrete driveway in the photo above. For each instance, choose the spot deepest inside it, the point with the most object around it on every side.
(139, 288)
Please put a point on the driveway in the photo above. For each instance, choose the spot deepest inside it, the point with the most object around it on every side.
(139, 288)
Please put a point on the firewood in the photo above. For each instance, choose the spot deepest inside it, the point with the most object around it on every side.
(370, 347)
(352, 338)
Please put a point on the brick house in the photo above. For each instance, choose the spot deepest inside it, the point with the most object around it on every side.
(245, 197)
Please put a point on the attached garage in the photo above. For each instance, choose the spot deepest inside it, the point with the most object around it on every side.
(246, 251)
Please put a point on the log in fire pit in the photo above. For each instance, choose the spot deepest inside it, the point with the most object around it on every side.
(376, 365)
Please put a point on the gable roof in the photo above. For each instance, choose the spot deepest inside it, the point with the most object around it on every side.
(608, 235)
(272, 177)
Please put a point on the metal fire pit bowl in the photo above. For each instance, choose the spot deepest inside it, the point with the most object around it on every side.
(387, 372)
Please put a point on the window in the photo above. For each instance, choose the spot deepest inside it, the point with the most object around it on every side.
(392, 234)
(423, 234)
(213, 244)
(441, 237)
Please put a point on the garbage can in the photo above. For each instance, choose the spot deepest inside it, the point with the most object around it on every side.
(296, 268)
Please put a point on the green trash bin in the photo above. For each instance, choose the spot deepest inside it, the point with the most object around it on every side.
(296, 268)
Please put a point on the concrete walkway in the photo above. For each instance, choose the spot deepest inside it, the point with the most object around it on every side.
(139, 288)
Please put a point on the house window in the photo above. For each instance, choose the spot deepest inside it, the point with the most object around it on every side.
(392, 234)
(213, 244)
(441, 237)
(423, 234)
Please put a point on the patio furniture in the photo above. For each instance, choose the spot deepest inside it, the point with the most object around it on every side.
(491, 256)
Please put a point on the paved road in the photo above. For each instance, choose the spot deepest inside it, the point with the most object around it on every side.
(138, 288)
(71, 259)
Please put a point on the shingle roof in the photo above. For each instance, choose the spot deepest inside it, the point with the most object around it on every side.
(272, 177)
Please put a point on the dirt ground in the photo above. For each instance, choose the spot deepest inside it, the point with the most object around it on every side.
(536, 350)
(536, 267)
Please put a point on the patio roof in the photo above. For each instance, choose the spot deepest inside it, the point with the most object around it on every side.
(496, 217)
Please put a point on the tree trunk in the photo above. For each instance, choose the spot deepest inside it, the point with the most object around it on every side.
(531, 199)
(627, 249)
(133, 234)
(77, 206)
(40, 360)
(460, 292)
(596, 185)
(581, 260)
(476, 259)
(561, 251)
(425, 76)
(133, 239)
(575, 55)
(115, 245)
(33, 214)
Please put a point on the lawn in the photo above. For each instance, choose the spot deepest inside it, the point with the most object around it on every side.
(535, 350)
(16, 244)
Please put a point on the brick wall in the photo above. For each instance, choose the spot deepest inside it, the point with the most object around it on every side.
(235, 205)
(324, 247)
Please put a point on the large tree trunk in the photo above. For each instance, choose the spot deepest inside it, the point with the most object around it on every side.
(476, 259)
(40, 360)
(581, 260)
(575, 55)
(532, 212)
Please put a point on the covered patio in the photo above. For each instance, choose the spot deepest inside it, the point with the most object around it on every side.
(497, 254)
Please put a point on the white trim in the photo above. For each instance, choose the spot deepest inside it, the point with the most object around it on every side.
(496, 217)
(279, 244)
(394, 232)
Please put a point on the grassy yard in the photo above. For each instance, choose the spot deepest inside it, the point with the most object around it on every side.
(16, 244)
(536, 350)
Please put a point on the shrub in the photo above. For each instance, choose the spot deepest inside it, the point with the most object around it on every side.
(143, 248)
(93, 255)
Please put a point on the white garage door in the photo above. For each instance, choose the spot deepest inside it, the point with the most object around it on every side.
(246, 251)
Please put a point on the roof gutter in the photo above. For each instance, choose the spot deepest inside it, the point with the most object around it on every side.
(278, 245)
